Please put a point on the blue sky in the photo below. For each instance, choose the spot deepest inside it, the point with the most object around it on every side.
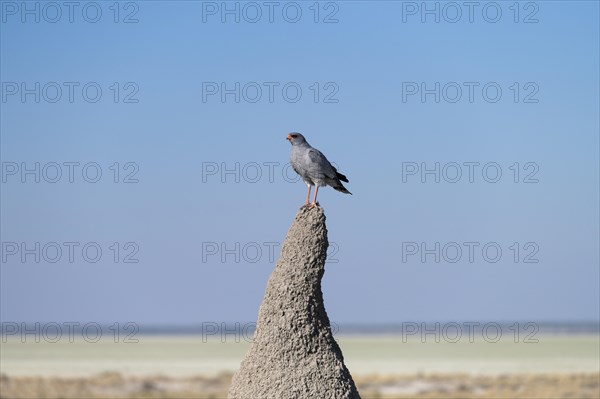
(167, 133)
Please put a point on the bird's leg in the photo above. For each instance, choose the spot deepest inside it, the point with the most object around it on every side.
(314, 204)
(308, 195)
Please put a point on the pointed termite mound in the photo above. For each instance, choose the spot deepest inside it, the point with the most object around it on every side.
(293, 354)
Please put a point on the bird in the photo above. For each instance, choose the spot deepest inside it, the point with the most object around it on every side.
(314, 168)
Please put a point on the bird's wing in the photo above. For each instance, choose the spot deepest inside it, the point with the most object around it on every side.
(319, 164)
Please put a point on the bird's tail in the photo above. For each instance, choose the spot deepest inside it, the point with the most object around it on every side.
(341, 177)
(340, 187)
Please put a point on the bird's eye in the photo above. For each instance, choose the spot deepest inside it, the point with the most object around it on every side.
(294, 136)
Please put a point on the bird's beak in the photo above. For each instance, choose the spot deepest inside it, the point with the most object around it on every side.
(289, 137)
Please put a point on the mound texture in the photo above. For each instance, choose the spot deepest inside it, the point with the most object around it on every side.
(293, 354)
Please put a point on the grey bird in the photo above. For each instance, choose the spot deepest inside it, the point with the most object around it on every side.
(313, 167)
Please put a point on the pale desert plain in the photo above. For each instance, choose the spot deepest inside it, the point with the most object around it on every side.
(383, 365)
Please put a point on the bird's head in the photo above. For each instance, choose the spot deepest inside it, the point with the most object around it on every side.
(296, 138)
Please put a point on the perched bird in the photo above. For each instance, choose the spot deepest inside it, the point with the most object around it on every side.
(313, 167)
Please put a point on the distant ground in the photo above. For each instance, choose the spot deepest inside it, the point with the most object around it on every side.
(558, 366)
(115, 385)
